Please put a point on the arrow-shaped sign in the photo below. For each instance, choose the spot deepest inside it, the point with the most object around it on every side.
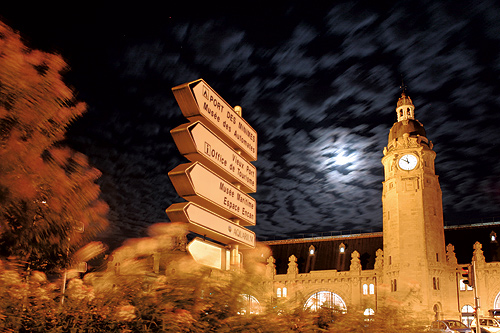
(208, 254)
(196, 183)
(197, 143)
(198, 101)
(207, 223)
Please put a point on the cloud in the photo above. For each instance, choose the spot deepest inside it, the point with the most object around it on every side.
(321, 90)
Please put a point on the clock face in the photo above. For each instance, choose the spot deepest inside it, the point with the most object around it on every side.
(408, 162)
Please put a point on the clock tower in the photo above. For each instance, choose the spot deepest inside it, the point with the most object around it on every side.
(414, 248)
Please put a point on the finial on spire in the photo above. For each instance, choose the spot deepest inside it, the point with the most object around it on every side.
(402, 86)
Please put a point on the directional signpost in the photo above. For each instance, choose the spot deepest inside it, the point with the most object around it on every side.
(220, 144)
(204, 222)
(198, 101)
(197, 143)
(195, 182)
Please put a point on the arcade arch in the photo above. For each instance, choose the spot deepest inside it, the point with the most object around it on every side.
(325, 298)
(249, 305)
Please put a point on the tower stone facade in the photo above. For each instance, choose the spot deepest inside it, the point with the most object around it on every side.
(413, 231)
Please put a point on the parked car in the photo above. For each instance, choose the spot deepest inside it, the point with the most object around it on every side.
(483, 330)
(489, 323)
(495, 313)
(449, 326)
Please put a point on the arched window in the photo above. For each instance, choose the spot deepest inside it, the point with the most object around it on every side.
(435, 283)
(467, 314)
(369, 312)
(249, 305)
(278, 292)
(372, 289)
(284, 292)
(496, 304)
(365, 289)
(464, 286)
(325, 299)
(394, 285)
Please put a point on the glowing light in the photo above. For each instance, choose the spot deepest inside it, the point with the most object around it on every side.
(342, 158)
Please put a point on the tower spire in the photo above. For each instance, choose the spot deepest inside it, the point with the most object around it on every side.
(405, 108)
(402, 86)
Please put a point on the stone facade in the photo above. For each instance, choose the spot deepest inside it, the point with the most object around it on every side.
(413, 269)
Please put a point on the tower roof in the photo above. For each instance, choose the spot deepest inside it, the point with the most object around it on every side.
(411, 126)
(405, 112)
(404, 100)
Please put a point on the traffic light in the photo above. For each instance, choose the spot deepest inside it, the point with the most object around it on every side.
(468, 275)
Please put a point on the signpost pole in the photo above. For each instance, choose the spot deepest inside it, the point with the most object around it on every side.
(235, 259)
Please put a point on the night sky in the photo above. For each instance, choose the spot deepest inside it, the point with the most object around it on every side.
(318, 83)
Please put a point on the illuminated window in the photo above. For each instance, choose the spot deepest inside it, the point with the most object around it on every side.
(249, 305)
(372, 289)
(467, 314)
(369, 312)
(311, 259)
(278, 292)
(493, 236)
(342, 248)
(365, 289)
(284, 292)
(325, 299)
(464, 286)
(496, 304)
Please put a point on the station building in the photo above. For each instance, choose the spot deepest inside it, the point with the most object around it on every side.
(415, 262)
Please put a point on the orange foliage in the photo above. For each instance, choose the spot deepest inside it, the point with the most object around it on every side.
(44, 184)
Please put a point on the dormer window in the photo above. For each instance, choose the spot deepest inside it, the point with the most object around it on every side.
(311, 259)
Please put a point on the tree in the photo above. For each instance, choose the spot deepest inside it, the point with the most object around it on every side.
(48, 194)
